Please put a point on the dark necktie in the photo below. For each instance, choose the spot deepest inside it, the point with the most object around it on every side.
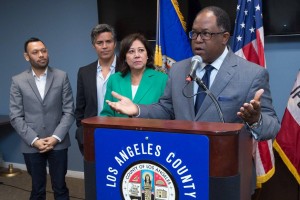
(200, 97)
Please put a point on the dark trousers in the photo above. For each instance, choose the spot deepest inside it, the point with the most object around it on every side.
(79, 138)
(36, 164)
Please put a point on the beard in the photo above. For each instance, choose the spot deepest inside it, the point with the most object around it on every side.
(40, 64)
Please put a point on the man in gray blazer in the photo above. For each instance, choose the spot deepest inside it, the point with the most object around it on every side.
(42, 111)
(233, 81)
(240, 87)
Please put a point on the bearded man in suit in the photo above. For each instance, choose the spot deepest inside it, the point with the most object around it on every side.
(42, 112)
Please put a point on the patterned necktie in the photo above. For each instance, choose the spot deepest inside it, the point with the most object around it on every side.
(200, 97)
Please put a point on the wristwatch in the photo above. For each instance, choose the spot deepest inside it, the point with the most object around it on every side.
(255, 124)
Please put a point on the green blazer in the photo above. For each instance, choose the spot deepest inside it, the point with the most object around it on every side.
(151, 88)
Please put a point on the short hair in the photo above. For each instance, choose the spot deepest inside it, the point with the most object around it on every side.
(125, 46)
(223, 20)
(32, 39)
(102, 28)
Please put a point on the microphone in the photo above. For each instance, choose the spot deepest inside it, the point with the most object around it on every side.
(196, 61)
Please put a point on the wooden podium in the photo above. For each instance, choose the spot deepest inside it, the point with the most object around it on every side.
(230, 152)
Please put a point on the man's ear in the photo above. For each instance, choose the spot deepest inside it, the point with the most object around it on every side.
(226, 37)
(26, 56)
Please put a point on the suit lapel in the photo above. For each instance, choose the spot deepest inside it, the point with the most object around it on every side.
(191, 102)
(223, 77)
(125, 86)
(225, 74)
(144, 85)
(49, 81)
(189, 91)
(92, 77)
(33, 86)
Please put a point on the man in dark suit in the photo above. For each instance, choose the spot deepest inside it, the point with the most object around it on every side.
(240, 87)
(42, 111)
(92, 79)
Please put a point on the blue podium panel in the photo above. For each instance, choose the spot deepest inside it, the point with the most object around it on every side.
(144, 165)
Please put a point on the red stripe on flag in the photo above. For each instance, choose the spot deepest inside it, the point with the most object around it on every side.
(265, 155)
(288, 139)
(260, 50)
(250, 53)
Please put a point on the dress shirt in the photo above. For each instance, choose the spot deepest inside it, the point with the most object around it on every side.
(40, 82)
(102, 82)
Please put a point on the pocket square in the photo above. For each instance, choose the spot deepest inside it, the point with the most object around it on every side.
(222, 98)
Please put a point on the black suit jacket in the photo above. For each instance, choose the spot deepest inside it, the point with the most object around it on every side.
(86, 97)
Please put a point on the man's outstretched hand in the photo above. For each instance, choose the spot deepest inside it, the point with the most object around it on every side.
(250, 112)
(124, 105)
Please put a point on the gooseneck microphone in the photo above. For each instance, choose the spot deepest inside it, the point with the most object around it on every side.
(196, 61)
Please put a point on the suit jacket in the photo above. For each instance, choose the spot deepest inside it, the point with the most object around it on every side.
(236, 83)
(150, 89)
(31, 116)
(86, 98)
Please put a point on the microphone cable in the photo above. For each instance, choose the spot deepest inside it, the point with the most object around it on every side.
(208, 92)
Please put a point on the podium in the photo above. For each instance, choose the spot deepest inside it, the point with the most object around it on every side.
(230, 151)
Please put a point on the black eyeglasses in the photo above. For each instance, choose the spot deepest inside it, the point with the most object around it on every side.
(205, 35)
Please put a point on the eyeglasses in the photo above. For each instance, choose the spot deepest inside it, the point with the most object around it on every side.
(205, 35)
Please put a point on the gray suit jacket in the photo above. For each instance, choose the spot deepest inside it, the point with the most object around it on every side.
(33, 117)
(235, 83)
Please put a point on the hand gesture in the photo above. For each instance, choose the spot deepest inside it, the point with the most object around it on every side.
(250, 112)
(124, 105)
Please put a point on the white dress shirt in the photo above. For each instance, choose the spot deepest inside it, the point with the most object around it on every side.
(102, 82)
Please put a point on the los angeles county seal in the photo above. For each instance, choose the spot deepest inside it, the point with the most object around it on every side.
(147, 180)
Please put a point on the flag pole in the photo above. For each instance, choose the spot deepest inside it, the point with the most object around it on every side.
(157, 55)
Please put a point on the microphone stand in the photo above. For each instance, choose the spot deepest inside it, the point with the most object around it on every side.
(213, 98)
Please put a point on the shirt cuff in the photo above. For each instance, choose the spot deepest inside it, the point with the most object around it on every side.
(35, 139)
(55, 136)
(255, 129)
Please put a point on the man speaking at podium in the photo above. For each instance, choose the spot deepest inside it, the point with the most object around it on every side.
(241, 88)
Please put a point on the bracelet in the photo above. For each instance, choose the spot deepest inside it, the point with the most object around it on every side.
(255, 124)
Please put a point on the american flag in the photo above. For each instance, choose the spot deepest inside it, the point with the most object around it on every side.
(248, 42)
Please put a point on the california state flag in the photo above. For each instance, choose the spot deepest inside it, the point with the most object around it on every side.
(287, 142)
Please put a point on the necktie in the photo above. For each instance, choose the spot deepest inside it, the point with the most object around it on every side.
(200, 96)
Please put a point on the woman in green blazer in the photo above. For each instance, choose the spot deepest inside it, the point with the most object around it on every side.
(137, 78)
